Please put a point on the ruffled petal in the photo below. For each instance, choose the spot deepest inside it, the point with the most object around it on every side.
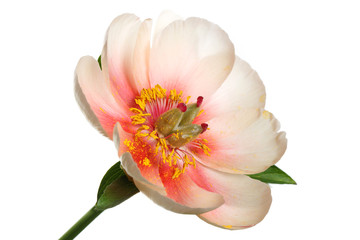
(118, 56)
(91, 86)
(184, 191)
(247, 201)
(244, 141)
(194, 56)
(154, 192)
(243, 88)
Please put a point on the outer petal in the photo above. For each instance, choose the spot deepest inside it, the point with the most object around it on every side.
(184, 191)
(85, 107)
(194, 56)
(156, 193)
(247, 201)
(246, 141)
(118, 55)
(91, 85)
(243, 88)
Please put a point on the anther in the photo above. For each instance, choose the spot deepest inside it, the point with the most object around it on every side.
(204, 126)
(182, 107)
(199, 101)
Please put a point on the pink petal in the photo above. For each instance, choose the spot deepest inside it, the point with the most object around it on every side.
(246, 141)
(95, 88)
(139, 151)
(194, 56)
(155, 192)
(184, 191)
(118, 55)
(247, 201)
(243, 88)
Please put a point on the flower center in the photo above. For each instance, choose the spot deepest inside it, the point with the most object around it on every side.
(164, 127)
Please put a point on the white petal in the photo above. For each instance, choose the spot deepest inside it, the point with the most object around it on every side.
(164, 19)
(247, 201)
(85, 107)
(194, 56)
(243, 88)
(246, 141)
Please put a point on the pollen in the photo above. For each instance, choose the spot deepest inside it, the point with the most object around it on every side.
(262, 98)
(129, 144)
(266, 114)
(102, 110)
(146, 162)
(227, 226)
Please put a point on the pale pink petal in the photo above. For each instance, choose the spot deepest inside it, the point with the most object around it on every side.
(194, 56)
(85, 107)
(184, 191)
(154, 192)
(247, 201)
(140, 64)
(244, 141)
(164, 19)
(95, 88)
(118, 55)
(243, 88)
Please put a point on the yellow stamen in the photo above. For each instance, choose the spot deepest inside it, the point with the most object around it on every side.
(157, 148)
(136, 110)
(200, 112)
(140, 115)
(141, 103)
(153, 135)
(140, 134)
(176, 173)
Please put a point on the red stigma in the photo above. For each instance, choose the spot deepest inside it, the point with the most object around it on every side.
(182, 107)
(199, 101)
(204, 127)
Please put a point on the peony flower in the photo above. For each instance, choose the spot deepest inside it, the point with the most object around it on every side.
(186, 115)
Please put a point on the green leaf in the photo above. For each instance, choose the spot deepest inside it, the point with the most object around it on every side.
(273, 175)
(115, 187)
(99, 61)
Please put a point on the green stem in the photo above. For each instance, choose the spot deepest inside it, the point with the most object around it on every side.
(81, 224)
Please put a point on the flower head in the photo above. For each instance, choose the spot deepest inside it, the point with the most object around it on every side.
(186, 115)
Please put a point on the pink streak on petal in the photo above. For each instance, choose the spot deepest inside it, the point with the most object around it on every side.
(184, 191)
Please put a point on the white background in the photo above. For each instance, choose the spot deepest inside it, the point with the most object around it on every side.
(52, 160)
